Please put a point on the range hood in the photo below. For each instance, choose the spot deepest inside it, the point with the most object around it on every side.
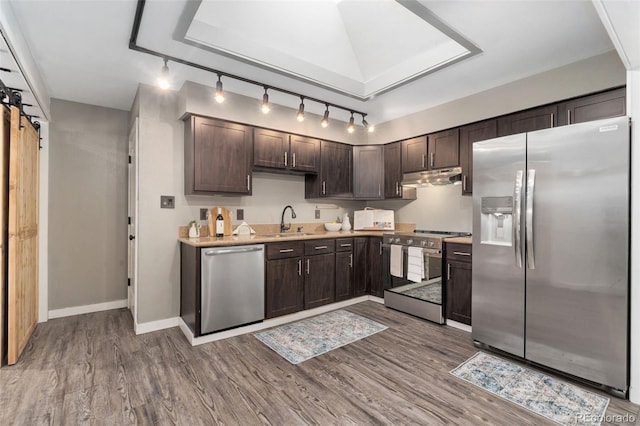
(433, 177)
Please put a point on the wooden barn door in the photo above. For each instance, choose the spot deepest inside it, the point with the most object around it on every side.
(22, 260)
(5, 134)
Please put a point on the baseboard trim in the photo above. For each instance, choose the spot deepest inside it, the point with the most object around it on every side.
(269, 322)
(376, 299)
(86, 309)
(148, 327)
(459, 325)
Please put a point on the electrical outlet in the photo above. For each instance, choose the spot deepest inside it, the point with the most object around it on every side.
(204, 214)
(240, 214)
(167, 202)
(317, 213)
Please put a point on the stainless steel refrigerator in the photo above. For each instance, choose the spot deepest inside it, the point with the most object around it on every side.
(550, 272)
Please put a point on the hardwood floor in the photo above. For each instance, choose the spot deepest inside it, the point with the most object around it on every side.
(92, 369)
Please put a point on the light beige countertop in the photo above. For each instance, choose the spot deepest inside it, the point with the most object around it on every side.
(232, 240)
(458, 240)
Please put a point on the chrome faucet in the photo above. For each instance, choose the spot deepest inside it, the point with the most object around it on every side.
(283, 227)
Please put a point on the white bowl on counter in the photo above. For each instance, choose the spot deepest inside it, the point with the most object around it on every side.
(332, 227)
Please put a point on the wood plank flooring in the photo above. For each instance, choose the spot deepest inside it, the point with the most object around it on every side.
(92, 369)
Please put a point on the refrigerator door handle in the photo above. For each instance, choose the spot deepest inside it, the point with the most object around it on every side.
(531, 185)
(517, 217)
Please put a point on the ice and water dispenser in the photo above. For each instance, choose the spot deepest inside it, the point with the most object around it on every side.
(496, 221)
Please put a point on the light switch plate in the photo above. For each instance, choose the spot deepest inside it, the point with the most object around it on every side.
(167, 202)
(204, 214)
(317, 213)
(240, 214)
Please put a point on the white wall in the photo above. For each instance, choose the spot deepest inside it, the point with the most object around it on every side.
(161, 171)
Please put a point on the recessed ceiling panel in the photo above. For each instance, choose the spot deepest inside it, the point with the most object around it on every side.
(360, 48)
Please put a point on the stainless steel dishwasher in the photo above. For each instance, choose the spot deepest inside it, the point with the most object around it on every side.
(232, 287)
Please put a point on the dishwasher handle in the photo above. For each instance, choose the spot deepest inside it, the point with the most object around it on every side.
(231, 251)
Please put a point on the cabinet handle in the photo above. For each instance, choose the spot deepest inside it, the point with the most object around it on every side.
(248, 182)
(464, 182)
(448, 271)
(324, 187)
(461, 253)
(568, 116)
(321, 247)
(378, 190)
(286, 250)
(299, 267)
(293, 160)
(285, 158)
(380, 248)
(307, 266)
(551, 119)
(397, 188)
(345, 245)
(433, 159)
(423, 161)
(351, 260)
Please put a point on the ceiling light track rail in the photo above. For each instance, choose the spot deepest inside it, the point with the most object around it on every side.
(12, 97)
(133, 45)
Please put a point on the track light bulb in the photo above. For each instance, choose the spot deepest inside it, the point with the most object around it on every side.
(300, 115)
(219, 97)
(325, 118)
(265, 102)
(366, 125)
(351, 127)
(163, 78)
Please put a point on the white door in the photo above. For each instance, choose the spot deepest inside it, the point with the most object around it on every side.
(133, 216)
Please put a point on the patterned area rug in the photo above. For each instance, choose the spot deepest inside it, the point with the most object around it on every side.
(302, 340)
(554, 399)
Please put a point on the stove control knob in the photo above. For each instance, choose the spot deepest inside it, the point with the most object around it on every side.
(431, 243)
(409, 242)
(397, 240)
(423, 243)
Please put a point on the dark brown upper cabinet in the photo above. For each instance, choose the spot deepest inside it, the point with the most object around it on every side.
(336, 172)
(608, 104)
(529, 120)
(217, 157)
(368, 168)
(281, 152)
(468, 135)
(393, 170)
(435, 151)
(444, 148)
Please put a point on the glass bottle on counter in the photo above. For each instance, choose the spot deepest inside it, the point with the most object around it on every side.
(219, 224)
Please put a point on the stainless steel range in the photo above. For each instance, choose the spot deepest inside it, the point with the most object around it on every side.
(413, 273)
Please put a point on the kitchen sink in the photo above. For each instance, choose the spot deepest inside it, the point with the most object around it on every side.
(287, 234)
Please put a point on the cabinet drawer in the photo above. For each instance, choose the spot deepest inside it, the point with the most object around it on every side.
(459, 252)
(344, 244)
(319, 247)
(284, 250)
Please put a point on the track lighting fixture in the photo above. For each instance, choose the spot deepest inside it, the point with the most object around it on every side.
(351, 127)
(219, 97)
(300, 115)
(366, 125)
(163, 78)
(325, 118)
(265, 102)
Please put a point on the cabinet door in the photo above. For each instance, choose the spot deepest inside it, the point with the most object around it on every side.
(375, 266)
(414, 154)
(393, 170)
(305, 154)
(319, 280)
(612, 103)
(284, 286)
(360, 270)
(344, 275)
(367, 172)
(468, 135)
(528, 121)
(217, 157)
(444, 148)
(459, 291)
(336, 168)
(270, 149)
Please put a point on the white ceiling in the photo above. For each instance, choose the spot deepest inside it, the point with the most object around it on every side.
(81, 47)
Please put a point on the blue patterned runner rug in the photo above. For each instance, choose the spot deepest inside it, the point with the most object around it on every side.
(303, 340)
(554, 399)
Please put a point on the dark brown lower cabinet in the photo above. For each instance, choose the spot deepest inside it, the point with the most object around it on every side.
(458, 282)
(344, 275)
(319, 280)
(374, 260)
(360, 273)
(284, 286)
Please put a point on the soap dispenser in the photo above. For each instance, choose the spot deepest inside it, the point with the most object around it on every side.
(346, 224)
